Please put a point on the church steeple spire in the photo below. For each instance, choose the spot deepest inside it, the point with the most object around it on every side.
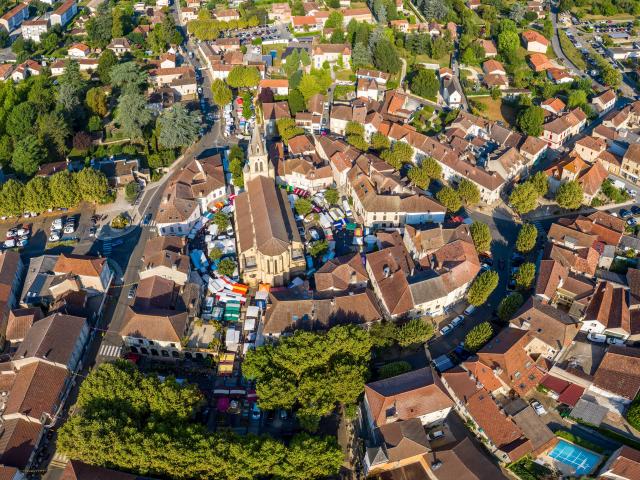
(257, 159)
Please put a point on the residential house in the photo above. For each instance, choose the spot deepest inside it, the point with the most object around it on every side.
(556, 285)
(589, 148)
(168, 60)
(342, 273)
(93, 273)
(555, 106)
(280, 12)
(120, 171)
(291, 310)
(362, 14)
(64, 13)
(381, 78)
(187, 196)
(490, 50)
(608, 313)
(505, 358)
(533, 149)
(271, 113)
(451, 91)
(552, 330)
(11, 273)
(630, 168)
(333, 54)
(187, 14)
(558, 131)
(182, 80)
(473, 400)
(604, 102)
(26, 69)
(578, 251)
(617, 379)
(559, 76)
(534, 41)
(166, 257)
(623, 464)
(269, 245)
(226, 15)
(539, 62)
(307, 24)
(418, 394)
(34, 29)
(78, 50)
(14, 17)
(277, 86)
(119, 46)
(57, 339)
(19, 322)
(367, 88)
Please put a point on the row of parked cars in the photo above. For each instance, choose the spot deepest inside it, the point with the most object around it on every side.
(59, 227)
(17, 236)
(456, 322)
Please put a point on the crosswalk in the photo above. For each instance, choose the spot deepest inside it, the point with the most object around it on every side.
(107, 247)
(109, 351)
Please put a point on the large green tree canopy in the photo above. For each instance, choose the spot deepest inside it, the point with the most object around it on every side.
(312, 372)
(136, 422)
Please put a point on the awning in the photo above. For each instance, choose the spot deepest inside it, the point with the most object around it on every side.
(571, 394)
(554, 383)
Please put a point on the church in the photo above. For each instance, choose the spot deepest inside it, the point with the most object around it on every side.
(269, 246)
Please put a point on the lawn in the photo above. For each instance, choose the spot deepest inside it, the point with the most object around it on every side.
(571, 51)
(443, 62)
(497, 110)
(344, 74)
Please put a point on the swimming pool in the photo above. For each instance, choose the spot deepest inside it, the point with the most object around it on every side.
(578, 458)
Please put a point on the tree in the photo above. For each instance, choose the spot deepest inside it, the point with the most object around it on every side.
(106, 62)
(311, 371)
(450, 199)
(72, 87)
(215, 254)
(541, 183)
(361, 56)
(383, 334)
(64, 190)
(241, 76)
(221, 220)
(287, 129)
(611, 77)
(178, 127)
(530, 120)
(432, 168)
(435, 9)
(141, 423)
(37, 195)
(570, 195)
(524, 198)
(482, 287)
(96, 101)
(386, 57)
(335, 20)
(12, 198)
(296, 101)
(82, 141)
(131, 191)
(399, 154)
(380, 142)
(424, 83)
(419, 177)
(414, 332)
(358, 141)
(354, 128)
(508, 42)
(393, 369)
(92, 185)
(21, 120)
(633, 413)
(509, 305)
(227, 267)
(132, 114)
(99, 27)
(317, 248)
(478, 336)
(303, 206)
(27, 155)
(517, 12)
(53, 132)
(309, 86)
(128, 76)
(332, 196)
(525, 276)
(222, 95)
(577, 98)
(481, 236)
(468, 192)
(527, 237)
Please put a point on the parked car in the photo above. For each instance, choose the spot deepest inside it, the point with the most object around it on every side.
(457, 321)
(255, 412)
(132, 291)
(597, 337)
(56, 224)
(92, 231)
(447, 329)
(12, 232)
(538, 408)
(23, 241)
(69, 228)
(24, 229)
(624, 213)
(436, 434)
(470, 309)
(615, 341)
(632, 222)
(10, 243)
(54, 236)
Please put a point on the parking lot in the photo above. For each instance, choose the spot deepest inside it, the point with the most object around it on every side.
(40, 230)
(264, 32)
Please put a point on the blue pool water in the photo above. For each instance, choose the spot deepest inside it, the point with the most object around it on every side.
(581, 459)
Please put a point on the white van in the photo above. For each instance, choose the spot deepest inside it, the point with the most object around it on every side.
(469, 310)
(597, 337)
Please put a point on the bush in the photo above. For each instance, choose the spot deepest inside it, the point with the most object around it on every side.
(478, 336)
(120, 222)
(633, 414)
(394, 369)
(226, 267)
(131, 191)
